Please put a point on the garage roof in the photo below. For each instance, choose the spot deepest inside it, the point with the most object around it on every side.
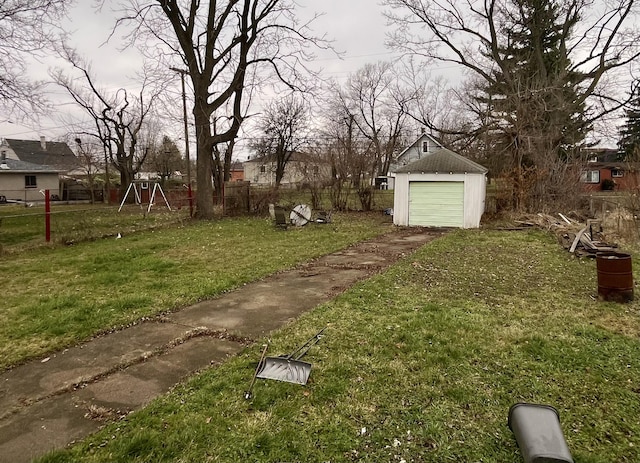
(444, 160)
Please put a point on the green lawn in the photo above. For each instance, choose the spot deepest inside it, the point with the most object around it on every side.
(419, 364)
(23, 228)
(56, 296)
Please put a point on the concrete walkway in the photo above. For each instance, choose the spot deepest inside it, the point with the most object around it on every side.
(49, 404)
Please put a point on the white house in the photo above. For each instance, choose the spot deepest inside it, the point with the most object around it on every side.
(28, 166)
(301, 168)
(440, 189)
(23, 181)
(421, 147)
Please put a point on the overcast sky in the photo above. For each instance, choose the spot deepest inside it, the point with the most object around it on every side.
(356, 26)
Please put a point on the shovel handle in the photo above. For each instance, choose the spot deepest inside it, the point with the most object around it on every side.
(303, 349)
(247, 395)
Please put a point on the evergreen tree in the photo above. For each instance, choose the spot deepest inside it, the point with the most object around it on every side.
(533, 118)
(629, 143)
(165, 159)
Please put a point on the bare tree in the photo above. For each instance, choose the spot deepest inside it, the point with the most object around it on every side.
(91, 163)
(283, 126)
(351, 155)
(536, 102)
(366, 117)
(379, 107)
(221, 44)
(431, 103)
(27, 29)
(118, 117)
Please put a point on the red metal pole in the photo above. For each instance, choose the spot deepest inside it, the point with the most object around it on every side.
(47, 215)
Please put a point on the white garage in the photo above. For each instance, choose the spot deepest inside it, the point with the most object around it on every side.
(443, 189)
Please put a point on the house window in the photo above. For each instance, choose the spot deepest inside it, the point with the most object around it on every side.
(263, 169)
(30, 181)
(617, 173)
(590, 176)
(425, 146)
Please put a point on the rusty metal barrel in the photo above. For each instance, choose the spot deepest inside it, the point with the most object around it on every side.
(615, 276)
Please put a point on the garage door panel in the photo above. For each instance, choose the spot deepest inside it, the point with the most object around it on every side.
(436, 204)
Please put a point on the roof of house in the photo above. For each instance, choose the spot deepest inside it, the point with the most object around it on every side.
(619, 165)
(603, 154)
(55, 154)
(13, 166)
(236, 165)
(443, 160)
(417, 140)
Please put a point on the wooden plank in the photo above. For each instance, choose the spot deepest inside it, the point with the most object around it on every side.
(587, 242)
(564, 218)
(577, 240)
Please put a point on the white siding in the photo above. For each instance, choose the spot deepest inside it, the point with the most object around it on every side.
(415, 152)
(12, 185)
(474, 195)
(401, 200)
(475, 192)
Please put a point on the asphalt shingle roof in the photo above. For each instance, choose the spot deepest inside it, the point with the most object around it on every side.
(57, 154)
(14, 166)
(443, 160)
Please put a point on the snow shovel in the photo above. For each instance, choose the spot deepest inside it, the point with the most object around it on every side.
(290, 368)
(248, 394)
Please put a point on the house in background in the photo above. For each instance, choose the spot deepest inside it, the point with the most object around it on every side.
(57, 155)
(301, 168)
(422, 146)
(439, 189)
(23, 181)
(602, 171)
(237, 171)
(30, 166)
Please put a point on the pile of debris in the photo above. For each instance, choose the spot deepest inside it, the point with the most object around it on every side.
(580, 237)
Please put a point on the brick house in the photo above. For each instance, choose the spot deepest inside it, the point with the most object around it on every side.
(602, 171)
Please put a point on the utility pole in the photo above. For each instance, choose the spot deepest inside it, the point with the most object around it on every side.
(182, 73)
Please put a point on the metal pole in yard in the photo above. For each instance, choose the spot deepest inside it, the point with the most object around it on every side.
(47, 215)
(182, 73)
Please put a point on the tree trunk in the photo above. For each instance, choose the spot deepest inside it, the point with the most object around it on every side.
(125, 180)
(204, 191)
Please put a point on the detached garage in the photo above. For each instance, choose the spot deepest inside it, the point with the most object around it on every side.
(443, 189)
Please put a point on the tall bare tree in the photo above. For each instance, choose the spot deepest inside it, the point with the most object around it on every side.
(27, 29)
(379, 107)
(221, 43)
(366, 116)
(351, 155)
(118, 117)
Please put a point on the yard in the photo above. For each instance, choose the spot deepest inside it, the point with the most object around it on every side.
(55, 296)
(419, 364)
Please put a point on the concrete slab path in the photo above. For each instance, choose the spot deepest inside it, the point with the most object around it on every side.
(51, 403)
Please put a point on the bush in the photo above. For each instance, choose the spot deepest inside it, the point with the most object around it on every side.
(608, 184)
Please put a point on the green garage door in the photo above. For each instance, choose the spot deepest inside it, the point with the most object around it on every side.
(436, 204)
